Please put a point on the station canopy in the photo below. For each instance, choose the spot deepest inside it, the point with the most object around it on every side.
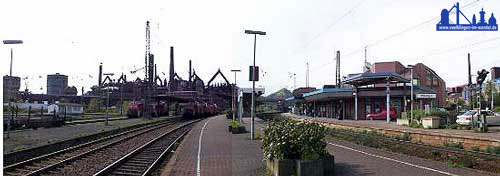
(364, 79)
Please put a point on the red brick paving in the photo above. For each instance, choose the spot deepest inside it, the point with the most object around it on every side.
(222, 153)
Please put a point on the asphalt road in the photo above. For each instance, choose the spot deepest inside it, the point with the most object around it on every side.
(352, 159)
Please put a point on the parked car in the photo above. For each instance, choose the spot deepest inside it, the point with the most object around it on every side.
(492, 118)
(382, 115)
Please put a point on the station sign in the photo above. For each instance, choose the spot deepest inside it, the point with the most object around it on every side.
(425, 96)
(256, 73)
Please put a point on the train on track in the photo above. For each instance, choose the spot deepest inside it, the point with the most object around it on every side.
(194, 109)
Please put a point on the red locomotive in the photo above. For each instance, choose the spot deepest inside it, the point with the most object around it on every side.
(136, 109)
(198, 109)
(194, 109)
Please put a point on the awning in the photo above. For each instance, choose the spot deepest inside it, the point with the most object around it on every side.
(375, 78)
(328, 94)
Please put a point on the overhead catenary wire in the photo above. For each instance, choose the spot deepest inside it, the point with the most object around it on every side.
(391, 36)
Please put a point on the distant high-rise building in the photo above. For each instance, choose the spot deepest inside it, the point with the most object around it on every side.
(56, 84)
(495, 73)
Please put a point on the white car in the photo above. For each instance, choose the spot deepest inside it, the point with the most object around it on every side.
(466, 118)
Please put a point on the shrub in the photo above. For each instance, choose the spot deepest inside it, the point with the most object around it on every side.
(452, 126)
(418, 114)
(494, 150)
(415, 124)
(289, 139)
(454, 145)
(235, 124)
(475, 148)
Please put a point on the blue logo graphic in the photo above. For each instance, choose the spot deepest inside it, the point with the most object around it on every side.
(446, 24)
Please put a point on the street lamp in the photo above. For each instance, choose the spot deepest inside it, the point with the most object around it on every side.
(255, 33)
(411, 92)
(234, 92)
(10, 42)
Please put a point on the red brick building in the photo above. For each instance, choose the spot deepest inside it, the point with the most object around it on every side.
(423, 77)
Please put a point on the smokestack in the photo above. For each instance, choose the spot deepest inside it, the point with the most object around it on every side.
(190, 71)
(470, 76)
(172, 72)
(100, 75)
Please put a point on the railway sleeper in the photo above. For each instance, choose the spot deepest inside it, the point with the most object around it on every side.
(125, 174)
(133, 170)
(133, 165)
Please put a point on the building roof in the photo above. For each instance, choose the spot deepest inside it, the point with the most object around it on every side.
(327, 90)
(327, 94)
(375, 78)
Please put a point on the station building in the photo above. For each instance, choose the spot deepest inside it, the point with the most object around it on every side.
(369, 92)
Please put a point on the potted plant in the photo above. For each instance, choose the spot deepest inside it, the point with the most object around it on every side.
(404, 120)
(235, 127)
(296, 148)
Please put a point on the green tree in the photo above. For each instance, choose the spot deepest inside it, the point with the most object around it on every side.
(94, 105)
(125, 106)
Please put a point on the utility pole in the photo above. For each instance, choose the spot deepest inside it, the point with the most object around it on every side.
(234, 93)
(307, 74)
(294, 81)
(107, 105)
(121, 96)
(492, 95)
(337, 74)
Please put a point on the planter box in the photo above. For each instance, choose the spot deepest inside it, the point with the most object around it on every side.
(288, 167)
(282, 167)
(403, 122)
(309, 167)
(230, 128)
(238, 130)
(430, 122)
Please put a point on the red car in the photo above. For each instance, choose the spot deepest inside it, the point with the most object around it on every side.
(382, 115)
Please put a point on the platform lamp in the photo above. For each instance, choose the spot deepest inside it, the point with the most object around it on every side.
(255, 33)
(10, 42)
(411, 92)
(234, 92)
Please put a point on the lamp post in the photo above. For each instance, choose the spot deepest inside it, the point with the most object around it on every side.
(10, 42)
(107, 105)
(411, 92)
(255, 33)
(234, 92)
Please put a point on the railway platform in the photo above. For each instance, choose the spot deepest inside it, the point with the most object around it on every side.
(209, 149)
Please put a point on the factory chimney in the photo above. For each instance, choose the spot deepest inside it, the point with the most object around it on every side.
(172, 72)
(100, 75)
(190, 71)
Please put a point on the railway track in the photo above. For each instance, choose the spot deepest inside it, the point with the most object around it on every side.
(388, 140)
(465, 158)
(53, 162)
(143, 160)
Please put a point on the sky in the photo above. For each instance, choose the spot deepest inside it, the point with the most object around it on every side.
(73, 37)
